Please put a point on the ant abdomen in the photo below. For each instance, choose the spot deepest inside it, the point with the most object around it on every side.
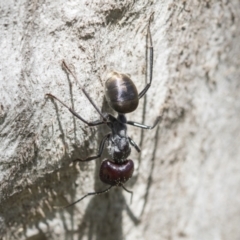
(116, 173)
(121, 93)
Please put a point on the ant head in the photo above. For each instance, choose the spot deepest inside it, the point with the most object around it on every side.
(113, 173)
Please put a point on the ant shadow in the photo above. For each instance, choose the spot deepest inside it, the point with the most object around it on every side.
(103, 215)
(102, 218)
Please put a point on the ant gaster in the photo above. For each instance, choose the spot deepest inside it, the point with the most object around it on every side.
(122, 95)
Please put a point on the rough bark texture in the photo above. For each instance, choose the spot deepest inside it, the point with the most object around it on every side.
(187, 178)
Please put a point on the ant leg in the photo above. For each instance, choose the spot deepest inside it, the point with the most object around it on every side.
(105, 138)
(144, 126)
(149, 46)
(134, 144)
(89, 194)
(94, 123)
(65, 66)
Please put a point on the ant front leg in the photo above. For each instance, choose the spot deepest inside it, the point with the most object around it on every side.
(105, 138)
(94, 123)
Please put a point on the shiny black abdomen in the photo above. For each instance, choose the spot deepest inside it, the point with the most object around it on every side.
(121, 93)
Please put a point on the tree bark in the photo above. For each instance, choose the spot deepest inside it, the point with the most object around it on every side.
(186, 182)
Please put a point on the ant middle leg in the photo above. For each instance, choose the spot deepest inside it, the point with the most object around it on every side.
(101, 147)
(134, 144)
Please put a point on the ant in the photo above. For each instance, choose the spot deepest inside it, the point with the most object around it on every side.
(122, 95)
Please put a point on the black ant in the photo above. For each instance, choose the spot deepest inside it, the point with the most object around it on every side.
(122, 96)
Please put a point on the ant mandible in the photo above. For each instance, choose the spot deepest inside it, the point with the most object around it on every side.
(122, 95)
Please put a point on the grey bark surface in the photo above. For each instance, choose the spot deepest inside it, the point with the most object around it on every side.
(186, 182)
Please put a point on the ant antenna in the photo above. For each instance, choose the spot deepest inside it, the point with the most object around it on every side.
(131, 192)
(89, 194)
(94, 193)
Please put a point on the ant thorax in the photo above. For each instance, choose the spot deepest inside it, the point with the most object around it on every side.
(119, 148)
